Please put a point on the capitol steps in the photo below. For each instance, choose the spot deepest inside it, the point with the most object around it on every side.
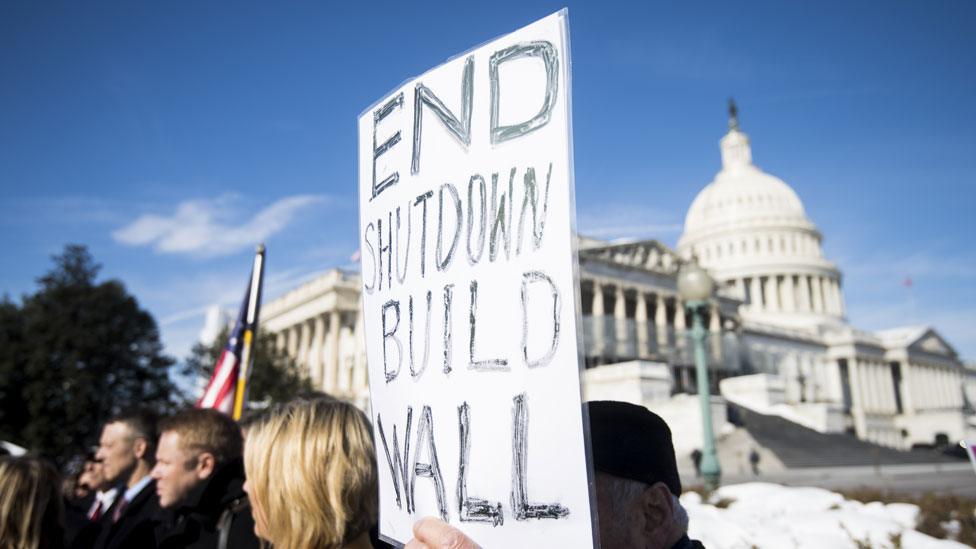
(797, 446)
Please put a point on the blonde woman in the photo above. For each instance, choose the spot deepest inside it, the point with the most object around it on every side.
(311, 476)
(31, 510)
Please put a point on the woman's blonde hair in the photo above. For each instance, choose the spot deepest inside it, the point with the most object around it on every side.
(311, 472)
(31, 511)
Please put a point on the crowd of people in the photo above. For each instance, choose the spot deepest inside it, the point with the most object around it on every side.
(298, 475)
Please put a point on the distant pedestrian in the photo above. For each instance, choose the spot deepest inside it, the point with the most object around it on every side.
(696, 457)
(754, 462)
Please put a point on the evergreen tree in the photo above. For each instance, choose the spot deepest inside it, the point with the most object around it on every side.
(74, 353)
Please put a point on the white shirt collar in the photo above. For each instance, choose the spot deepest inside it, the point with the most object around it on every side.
(132, 492)
(103, 500)
(106, 497)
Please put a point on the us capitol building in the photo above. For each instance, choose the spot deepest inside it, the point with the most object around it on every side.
(778, 336)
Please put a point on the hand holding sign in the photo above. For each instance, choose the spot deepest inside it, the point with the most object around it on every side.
(433, 533)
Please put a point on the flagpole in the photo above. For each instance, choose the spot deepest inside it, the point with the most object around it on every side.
(250, 329)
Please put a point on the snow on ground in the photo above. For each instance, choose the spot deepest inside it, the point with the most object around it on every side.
(765, 515)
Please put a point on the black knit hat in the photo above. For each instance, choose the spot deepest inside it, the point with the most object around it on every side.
(632, 442)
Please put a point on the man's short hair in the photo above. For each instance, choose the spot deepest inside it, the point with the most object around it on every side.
(632, 442)
(206, 430)
(142, 423)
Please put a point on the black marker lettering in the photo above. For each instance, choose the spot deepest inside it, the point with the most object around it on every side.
(391, 334)
(372, 254)
(425, 434)
(496, 364)
(444, 261)
(522, 509)
(422, 199)
(414, 371)
(531, 198)
(378, 115)
(399, 238)
(448, 297)
(501, 216)
(474, 257)
(541, 49)
(472, 509)
(398, 464)
(459, 129)
(528, 278)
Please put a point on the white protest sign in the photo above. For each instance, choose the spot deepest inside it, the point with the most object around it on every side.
(469, 296)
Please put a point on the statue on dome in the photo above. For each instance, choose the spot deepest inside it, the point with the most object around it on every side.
(733, 116)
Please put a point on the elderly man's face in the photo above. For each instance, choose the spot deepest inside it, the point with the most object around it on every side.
(116, 451)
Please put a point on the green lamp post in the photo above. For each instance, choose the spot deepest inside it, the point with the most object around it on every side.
(695, 287)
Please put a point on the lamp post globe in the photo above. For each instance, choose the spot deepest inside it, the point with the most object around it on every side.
(695, 287)
(694, 284)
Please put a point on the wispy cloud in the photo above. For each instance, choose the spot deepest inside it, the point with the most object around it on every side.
(207, 227)
(623, 221)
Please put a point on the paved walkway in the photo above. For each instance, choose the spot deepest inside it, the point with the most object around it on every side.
(914, 479)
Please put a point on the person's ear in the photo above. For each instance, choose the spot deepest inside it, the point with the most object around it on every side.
(657, 510)
(206, 463)
(140, 447)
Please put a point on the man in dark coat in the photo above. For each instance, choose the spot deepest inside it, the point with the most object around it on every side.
(200, 477)
(126, 451)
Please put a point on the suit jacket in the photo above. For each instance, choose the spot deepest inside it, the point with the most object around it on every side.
(136, 527)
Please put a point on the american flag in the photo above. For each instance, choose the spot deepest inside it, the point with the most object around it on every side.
(228, 384)
(223, 382)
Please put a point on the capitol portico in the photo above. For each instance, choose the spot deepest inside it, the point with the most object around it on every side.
(779, 341)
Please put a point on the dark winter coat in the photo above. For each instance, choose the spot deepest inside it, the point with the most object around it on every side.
(218, 505)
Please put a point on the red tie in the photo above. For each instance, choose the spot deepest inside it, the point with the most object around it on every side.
(118, 510)
(96, 512)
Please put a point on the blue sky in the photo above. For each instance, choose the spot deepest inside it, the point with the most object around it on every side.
(172, 137)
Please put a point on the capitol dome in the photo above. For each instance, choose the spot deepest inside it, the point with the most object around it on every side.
(741, 196)
(750, 230)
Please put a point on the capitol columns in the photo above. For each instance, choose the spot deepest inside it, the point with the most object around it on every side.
(840, 297)
(858, 404)
(715, 332)
(292, 348)
(620, 335)
(335, 321)
(305, 341)
(640, 322)
(770, 299)
(804, 293)
(755, 291)
(598, 309)
(661, 322)
(598, 312)
(818, 298)
(315, 365)
(679, 317)
(789, 294)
